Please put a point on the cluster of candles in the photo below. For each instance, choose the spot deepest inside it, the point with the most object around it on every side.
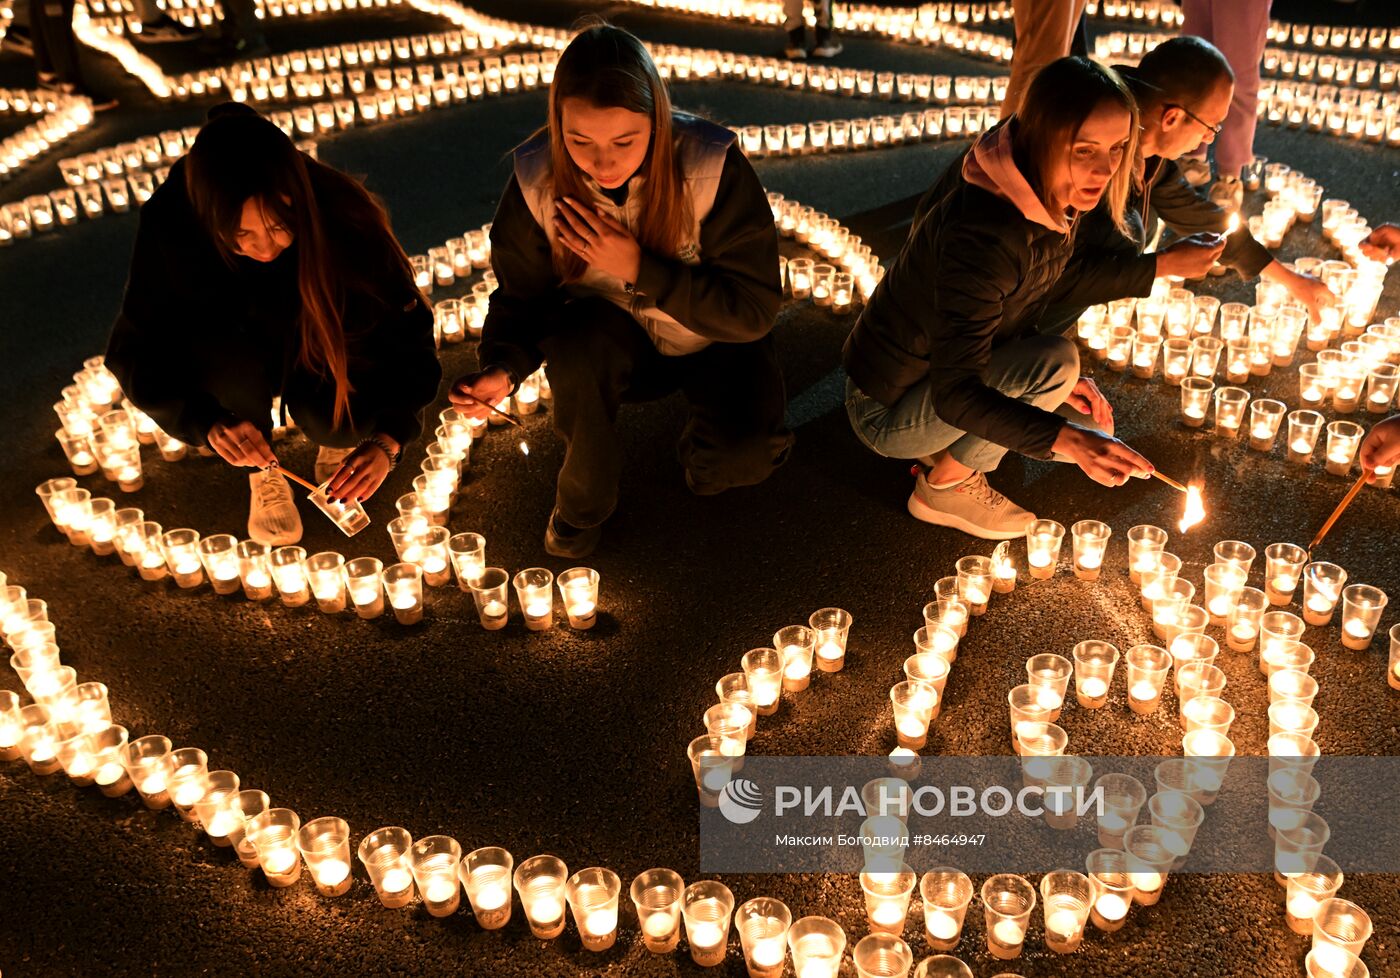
(1329, 68)
(1337, 111)
(875, 132)
(59, 116)
(848, 270)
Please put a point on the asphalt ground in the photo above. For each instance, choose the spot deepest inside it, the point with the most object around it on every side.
(573, 743)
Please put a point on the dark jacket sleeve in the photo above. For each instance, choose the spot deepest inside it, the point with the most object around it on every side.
(525, 281)
(734, 293)
(398, 370)
(977, 268)
(147, 350)
(1186, 212)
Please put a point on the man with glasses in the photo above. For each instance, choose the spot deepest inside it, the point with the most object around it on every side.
(1184, 88)
(1239, 29)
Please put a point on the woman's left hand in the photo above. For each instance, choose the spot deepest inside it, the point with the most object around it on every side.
(1086, 398)
(598, 239)
(1312, 293)
(361, 474)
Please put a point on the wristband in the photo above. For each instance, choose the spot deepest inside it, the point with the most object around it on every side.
(382, 443)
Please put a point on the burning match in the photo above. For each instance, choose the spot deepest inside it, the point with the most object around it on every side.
(1195, 505)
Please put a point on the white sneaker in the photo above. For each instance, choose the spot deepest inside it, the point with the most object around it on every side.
(795, 53)
(829, 48)
(328, 462)
(972, 506)
(1196, 172)
(1227, 193)
(273, 519)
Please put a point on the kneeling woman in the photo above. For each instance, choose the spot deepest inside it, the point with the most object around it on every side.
(946, 363)
(260, 272)
(635, 255)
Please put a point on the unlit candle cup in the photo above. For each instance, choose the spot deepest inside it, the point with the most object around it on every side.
(325, 846)
(831, 627)
(486, 876)
(657, 895)
(706, 907)
(385, 855)
(433, 860)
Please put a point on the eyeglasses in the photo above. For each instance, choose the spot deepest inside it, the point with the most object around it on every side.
(1195, 118)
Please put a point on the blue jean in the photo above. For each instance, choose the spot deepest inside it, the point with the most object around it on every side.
(1040, 370)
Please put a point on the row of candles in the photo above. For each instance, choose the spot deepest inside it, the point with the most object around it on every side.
(1328, 68)
(874, 132)
(59, 117)
(1350, 112)
(847, 270)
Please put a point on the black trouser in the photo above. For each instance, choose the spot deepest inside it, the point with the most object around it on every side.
(244, 379)
(598, 357)
(55, 47)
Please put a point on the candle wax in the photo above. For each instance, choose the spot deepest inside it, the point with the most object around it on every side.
(223, 823)
(888, 913)
(1062, 923)
(152, 784)
(1008, 932)
(1093, 687)
(1284, 583)
(1091, 559)
(278, 861)
(403, 599)
(1302, 906)
(546, 909)
(109, 773)
(1357, 628)
(440, 890)
(493, 609)
(1111, 906)
(705, 934)
(1320, 603)
(581, 609)
(942, 925)
(395, 881)
(1048, 699)
(1219, 607)
(492, 896)
(1038, 558)
(537, 608)
(258, 579)
(912, 727)
(1143, 690)
(1242, 632)
(658, 925)
(767, 952)
(1146, 882)
(330, 872)
(831, 650)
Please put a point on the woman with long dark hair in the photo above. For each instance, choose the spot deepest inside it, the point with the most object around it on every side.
(947, 363)
(259, 272)
(636, 255)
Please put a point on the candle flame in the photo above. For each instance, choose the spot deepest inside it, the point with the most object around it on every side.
(1195, 509)
(1234, 224)
(524, 447)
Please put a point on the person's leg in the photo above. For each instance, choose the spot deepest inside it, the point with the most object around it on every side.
(240, 29)
(795, 24)
(591, 356)
(735, 435)
(827, 45)
(1240, 31)
(1198, 19)
(1044, 31)
(53, 31)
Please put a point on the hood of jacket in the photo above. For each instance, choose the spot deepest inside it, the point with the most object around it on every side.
(992, 167)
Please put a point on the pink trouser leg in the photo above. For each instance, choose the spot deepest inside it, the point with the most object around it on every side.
(1238, 28)
(1044, 30)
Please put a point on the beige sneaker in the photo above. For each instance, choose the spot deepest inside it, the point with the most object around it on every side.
(328, 462)
(1196, 171)
(272, 516)
(971, 506)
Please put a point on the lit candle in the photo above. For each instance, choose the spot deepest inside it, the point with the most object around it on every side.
(942, 926)
(1093, 688)
(1111, 907)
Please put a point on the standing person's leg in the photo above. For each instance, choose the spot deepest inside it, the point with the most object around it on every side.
(1044, 31)
(240, 31)
(52, 28)
(1241, 29)
(38, 38)
(592, 354)
(795, 24)
(735, 435)
(1198, 19)
(827, 46)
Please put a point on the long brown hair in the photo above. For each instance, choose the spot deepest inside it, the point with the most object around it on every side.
(238, 156)
(610, 68)
(1060, 98)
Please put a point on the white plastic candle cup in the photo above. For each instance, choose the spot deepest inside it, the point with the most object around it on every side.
(1038, 740)
(385, 855)
(914, 707)
(348, 516)
(928, 668)
(39, 739)
(706, 907)
(764, 670)
(975, 582)
(1393, 671)
(1223, 584)
(1179, 814)
(1160, 578)
(1297, 847)
(273, 833)
(125, 520)
(950, 612)
(1307, 890)
(1196, 395)
(730, 722)
(879, 956)
(831, 628)
(1007, 901)
(1292, 795)
(248, 803)
(1208, 754)
(45, 684)
(1144, 362)
(1237, 364)
(1343, 439)
(288, 567)
(1176, 363)
(817, 945)
(431, 554)
(1120, 347)
(102, 526)
(1329, 961)
(1094, 665)
(945, 893)
(433, 860)
(1090, 541)
(1362, 606)
(1322, 591)
(887, 897)
(186, 779)
(937, 640)
(1145, 542)
(1207, 712)
(1304, 427)
(1065, 899)
(365, 584)
(1027, 704)
(486, 876)
(657, 895)
(1003, 570)
(1340, 929)
(797, 643)
(108, 748)
(78, 451)
(254, 572)
(733, 687)
(213, 810)
(1050, 675)
(1189, 645)
(1234, 552)
(1283, 567)
(1292, 716)
(1278, 630)
(763, 925)
(1265, 416)
(713, 764)
(1043, 541)
(1168, 607)
(403, 584)
(181, 551)
(48, 489)
(219, 554)
(1150, 858)
(1205, 356)
(1123, 798)
(1113, 888)
(578, 589)
(1230, 405)
(1063, 779)
(324, 844)
(489, 594)
(1147, 671)
(325, 573)
(468, 552)
(1198, 677)
(145, 764)
(1245, 620)
(534, 588)
(799, 272)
